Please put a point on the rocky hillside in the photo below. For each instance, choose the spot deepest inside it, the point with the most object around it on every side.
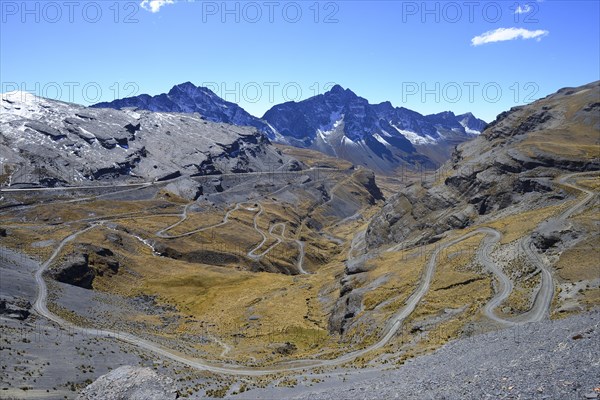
(507, 169)
(379, 136)
(513, 178)
(544, 360)
(51, 143)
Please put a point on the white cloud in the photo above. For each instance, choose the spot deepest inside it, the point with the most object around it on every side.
(155, 5)
(504, 34)
(523, 10)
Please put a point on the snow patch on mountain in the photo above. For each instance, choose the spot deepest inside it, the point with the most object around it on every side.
(17, 104)
(336, 118)
(278, 137)
(467, 129)
(324, 134)
(20, 97)
(348, 142)
(415, 138)
(381, 140)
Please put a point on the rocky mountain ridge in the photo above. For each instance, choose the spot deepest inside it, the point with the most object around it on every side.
(379, 136)
(337, 123)
(511, 170)
(188, 98)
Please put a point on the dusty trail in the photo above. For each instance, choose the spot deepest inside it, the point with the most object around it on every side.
(184, 217)
(253, 252)
(299, 243)
(543, 298)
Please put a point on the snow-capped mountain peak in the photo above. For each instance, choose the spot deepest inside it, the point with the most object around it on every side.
(388, 136)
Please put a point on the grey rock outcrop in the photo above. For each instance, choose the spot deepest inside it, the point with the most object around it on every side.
(83, 265)
(75, 270)
(130, 383)
(15, 308)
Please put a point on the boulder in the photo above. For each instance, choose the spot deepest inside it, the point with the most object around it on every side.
(15, 309)
(75, 271)
(130, 383)
(82, 266)
(286, 349)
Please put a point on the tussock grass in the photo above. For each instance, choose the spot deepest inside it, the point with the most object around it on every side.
(313, 158)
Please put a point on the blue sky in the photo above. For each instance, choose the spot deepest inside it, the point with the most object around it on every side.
(483, 57)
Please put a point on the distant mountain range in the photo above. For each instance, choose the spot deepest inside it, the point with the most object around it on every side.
(338, 123)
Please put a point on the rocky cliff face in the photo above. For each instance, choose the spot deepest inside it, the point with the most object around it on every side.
(52, 143)
(508, 166)
(84, 264)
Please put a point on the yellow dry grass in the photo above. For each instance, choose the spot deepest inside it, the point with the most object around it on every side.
(223, 298)
(590, 183)
(402, 271)
(516, 226)
(454, 285)
(582, 262)
(313, 158)
(196, 221)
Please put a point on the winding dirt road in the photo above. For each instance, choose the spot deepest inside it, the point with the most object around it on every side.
(543, 298)
(253, 252)
(184, 217)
